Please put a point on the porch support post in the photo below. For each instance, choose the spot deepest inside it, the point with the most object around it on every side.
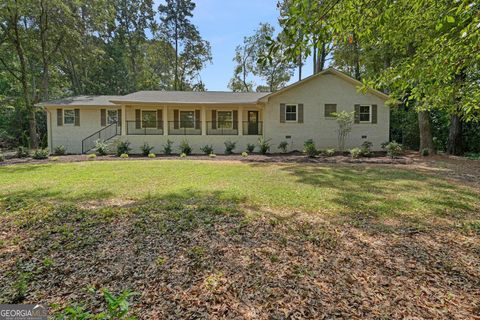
(203, 116)
(124, 120)
(240, 121)
(165, 120)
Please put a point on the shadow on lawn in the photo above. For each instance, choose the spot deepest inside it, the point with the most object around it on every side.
(205, 254)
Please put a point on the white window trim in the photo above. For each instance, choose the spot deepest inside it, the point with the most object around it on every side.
(296, 112)
(231, 124)
(116, 111)
(141, 118)
(180, 119)
(74, 118)
(370, 113)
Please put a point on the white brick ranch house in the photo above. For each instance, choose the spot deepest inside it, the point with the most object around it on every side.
(294, 114)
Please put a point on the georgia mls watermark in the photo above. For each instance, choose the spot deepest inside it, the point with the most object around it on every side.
(23, 312)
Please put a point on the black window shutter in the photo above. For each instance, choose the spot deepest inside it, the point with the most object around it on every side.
(374, 113)
(357, 113)
(59, 117)
(77, 117)
(300, 113)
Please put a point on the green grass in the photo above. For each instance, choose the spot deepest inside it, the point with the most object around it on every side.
(324, 189)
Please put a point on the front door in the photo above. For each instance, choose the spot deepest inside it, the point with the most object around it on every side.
(253, 122)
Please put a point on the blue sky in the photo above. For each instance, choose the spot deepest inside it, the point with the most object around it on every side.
(224, 23)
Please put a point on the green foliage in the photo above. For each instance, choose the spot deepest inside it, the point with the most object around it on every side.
(283, 146)
(124, 155)
(329, 152)
(394, 149)
(425, 152)
(146, 149)
(59, 150)
(309, 148)
(40, 154)
(212, 155)
(22, 152)
(244, 154)
(101, 147)
(250, 147)
(152, 155)
(263, 145)
(92, 156)
(356, 152)
(2, 157)
(345, 121)
(473, 156)
(123, 147)
(185, 147)
(230, 146)
(183, 155)
(168, 147)
(366, 148)
(207, 149)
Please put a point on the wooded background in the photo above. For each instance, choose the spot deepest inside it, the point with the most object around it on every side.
(424, 53)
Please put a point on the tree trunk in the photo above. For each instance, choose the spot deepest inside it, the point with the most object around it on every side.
(426, 138)
(322, 57)
(455, 138)
(176, 55)
(356, 57)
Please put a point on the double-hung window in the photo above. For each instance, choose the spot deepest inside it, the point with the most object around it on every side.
(112, 116)
(225, 119)
(187, 119)
(69, 116)
(365, 114)
(291, 113)
(149, 118)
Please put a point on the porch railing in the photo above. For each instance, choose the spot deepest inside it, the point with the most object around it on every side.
(145, 128)
(222, 128)
(192, 128)
(103, 134)
(251, 128)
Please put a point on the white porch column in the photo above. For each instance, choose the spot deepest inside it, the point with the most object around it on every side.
(165, 120)
(240, 121)
(203, 117)
(124, 120)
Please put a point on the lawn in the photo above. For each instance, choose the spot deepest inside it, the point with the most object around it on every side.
(200, 239)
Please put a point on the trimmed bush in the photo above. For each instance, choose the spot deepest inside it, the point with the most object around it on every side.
(212, 155)
(185, 147)
(2, 157)
(207, 149)
(123, 147)
(366, 148)
(146, 149)
(40, 154)
(54, 158)
(244, 154)
(152, 155)
(309, 148)
(230, 146)
(250, 147)
(283, 146)
(59, 150)
(167, 148)
(22, 152)
(394, 149)
(356, 152)
(425, 152)
(101, 147)
(330, 152)
(92, 156)
(183, 155)
(263, 145)
(124, 156)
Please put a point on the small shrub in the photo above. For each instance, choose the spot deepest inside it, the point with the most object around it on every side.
(54, 158)
(123, 147)
(40, 154)
(207, 149)
(425, 152)
(309, 148)
(101, 147)
(356, 152)
(185, 147)
(146, 149)
(283, 146)
(230, 146)
(264, 145)
(92, 156)
(167, 147)
(124, 156)
(152, 155)
(330, 152)
(366, 148)
(59, 150)
(473, 155)
(244, 154)
(250, 147)
(394, 149)
(212, 155)
(22, 152)
(2, 157)
(183, 155)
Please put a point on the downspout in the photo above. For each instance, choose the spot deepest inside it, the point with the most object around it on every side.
(49, 130)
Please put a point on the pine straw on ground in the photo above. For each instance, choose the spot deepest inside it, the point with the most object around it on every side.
(195, 256)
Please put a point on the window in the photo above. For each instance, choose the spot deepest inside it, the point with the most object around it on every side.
(225, 119)
(330, 109)
(365, 113)
(187, 119)
(149, 118)
(112, 116)
(291, 112)
(69, 116)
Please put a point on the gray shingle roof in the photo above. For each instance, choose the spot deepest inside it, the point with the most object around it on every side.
(82, 101)
(187, 97)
